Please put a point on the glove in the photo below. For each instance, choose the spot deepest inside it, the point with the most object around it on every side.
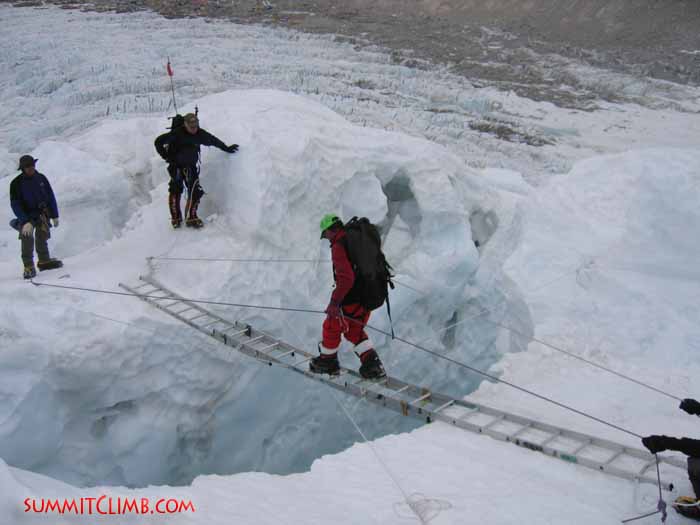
(27, 229)
(656, 443)
(55, 222)
(690, 406)
(233, 148)
(333, 310)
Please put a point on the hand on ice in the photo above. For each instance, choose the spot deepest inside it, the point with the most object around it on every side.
(233, 148)
(27, 229)
(55, 222)
(690, 406)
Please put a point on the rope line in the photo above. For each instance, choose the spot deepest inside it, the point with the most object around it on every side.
(359, 431)
(172, 297)
(580, 358)
(244, 260)
(630, 520)
(205, 259)
(660, 506)
(378, 330)
(481, 314)
(508, 383)
(418, 504)
(550, 345)
(376, 455)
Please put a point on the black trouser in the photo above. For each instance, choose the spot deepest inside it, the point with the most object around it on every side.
(40, 237)
(694, 474)
(181, 178)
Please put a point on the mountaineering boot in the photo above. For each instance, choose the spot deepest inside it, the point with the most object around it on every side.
(174, 206)
(50, 264)
(325, 363)
(371, 367)
(194, 222)
(688, 507)
(29, 272)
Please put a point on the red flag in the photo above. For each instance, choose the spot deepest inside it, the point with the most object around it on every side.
(170, 70)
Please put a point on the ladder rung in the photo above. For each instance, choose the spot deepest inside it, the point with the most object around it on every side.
(581, 447)
(255, 340)
(497, 420)
(198, 317)
(178, 312)
(469, 414)
(525, 428)
(241, 332)
(444, 406)
(142, 285)
(263, 349)
(550, 439)
(158, 298)
(213, 323)
(614, 456)
(284, 354)
(421, 398)
(403, 388)
(646, 467)
(167, 306)
(166, 297)
(302, 361)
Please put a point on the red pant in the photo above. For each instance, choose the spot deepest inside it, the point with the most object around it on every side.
(351, 326)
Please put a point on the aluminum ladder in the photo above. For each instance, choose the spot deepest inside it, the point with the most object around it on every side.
(416, 401)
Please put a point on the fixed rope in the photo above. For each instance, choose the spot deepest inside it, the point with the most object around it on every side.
(481, 314)
(378, 330)
(485, 311)
(206, 259)
(197, 301)
(660, 506)
(583, 359)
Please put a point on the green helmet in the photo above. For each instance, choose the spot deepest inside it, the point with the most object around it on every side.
(329, 220)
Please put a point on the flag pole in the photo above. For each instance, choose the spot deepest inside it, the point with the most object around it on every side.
(172, 86)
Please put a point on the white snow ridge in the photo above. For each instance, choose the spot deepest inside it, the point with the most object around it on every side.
(104, 396)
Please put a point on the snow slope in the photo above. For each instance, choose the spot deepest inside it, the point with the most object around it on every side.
(298, 160)
(607, 264)
(449, 478)
(101, 401)
(99, 389)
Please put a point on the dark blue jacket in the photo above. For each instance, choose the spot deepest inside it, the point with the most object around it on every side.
(181, 148)
(32, 196)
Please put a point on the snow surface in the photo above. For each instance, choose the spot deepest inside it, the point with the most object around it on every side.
(608, 265)
(298, 160)
(475, 480)
(102, 390)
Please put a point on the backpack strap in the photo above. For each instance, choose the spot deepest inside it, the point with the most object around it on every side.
(388, 303)
(388, 312)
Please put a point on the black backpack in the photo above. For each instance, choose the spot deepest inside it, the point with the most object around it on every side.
(372, 272)
(177, 121)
